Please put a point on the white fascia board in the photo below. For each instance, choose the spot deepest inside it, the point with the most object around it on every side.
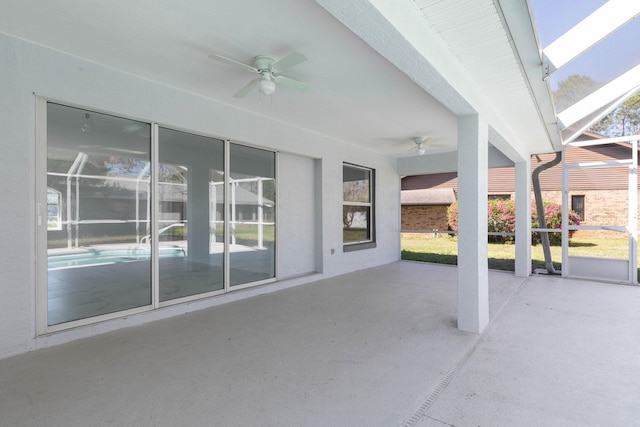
(603, 96)
(595, 27)
(398, 31)
(517, 15)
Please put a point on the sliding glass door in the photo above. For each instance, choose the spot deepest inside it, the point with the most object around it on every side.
(190, 214)
(98, 213)
(252, 215)
(135, 216)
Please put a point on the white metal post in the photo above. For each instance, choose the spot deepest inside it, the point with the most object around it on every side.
(260, 213)
(77, 220)
(154, 243)
(633, 214)
(565, 214)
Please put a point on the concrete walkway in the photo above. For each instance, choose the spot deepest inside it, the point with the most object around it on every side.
(372, 348)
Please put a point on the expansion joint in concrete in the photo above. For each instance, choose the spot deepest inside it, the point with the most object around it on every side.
(458, 364)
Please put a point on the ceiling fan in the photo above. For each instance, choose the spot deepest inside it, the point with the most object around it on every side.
(421, 143)
(269, 70)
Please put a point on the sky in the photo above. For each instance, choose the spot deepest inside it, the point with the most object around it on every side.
(607, 60)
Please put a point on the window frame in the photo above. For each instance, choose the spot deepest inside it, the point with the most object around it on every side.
(580, 213)
(370, 242)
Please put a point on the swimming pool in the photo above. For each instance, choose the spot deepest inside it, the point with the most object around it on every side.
(107, 256)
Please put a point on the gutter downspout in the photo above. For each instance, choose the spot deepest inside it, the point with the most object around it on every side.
(542, 221)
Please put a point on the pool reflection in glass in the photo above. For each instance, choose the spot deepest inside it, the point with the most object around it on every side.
(98, 200)
(191, 214)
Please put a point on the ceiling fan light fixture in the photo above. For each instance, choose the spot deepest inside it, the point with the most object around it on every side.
(421, 150)
(266, 86)
(269, 70)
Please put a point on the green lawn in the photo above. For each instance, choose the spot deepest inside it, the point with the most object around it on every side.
(444, 250)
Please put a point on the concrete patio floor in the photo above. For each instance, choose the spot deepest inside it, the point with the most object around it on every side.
(377, 347)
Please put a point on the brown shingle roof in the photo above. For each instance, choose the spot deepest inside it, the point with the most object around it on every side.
(502, 180)
(432, 196)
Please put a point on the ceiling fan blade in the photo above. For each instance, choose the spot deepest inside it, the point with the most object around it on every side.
(293, 84)
(246, 89)
(233, 62)
(289, 61)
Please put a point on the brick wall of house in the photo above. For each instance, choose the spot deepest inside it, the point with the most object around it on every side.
(601, 208)
(604, 190)
(424, 218)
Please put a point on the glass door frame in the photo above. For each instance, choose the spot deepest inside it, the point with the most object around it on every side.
(40, 205)
(41, 231)
(228, 219)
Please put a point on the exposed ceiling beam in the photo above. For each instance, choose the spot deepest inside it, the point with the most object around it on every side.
(446, 162)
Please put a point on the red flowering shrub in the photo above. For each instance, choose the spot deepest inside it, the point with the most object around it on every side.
(553, 216)
(501, 218)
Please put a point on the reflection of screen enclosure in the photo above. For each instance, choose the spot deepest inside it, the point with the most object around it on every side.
(190, 214)
(252, 209)
(100, 212)
(102, 175)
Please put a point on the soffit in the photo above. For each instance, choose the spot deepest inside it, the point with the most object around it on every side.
(477, 34)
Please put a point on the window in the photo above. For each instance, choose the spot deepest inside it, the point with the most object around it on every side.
(499, 197)
(357, 207)
(577, 205)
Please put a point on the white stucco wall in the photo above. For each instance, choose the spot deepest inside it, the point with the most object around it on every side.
(28, 69)
(296, 210)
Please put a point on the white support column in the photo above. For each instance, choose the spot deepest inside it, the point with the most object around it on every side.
(523, 218)
(473, 286)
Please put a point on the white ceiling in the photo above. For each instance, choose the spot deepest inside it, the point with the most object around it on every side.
(357, 96)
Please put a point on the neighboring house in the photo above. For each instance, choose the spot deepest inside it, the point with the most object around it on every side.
(426, 208)
(599, 196)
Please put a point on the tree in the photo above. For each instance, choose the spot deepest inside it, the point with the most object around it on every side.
(622, 121)
(625, 119)
(573, 89)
